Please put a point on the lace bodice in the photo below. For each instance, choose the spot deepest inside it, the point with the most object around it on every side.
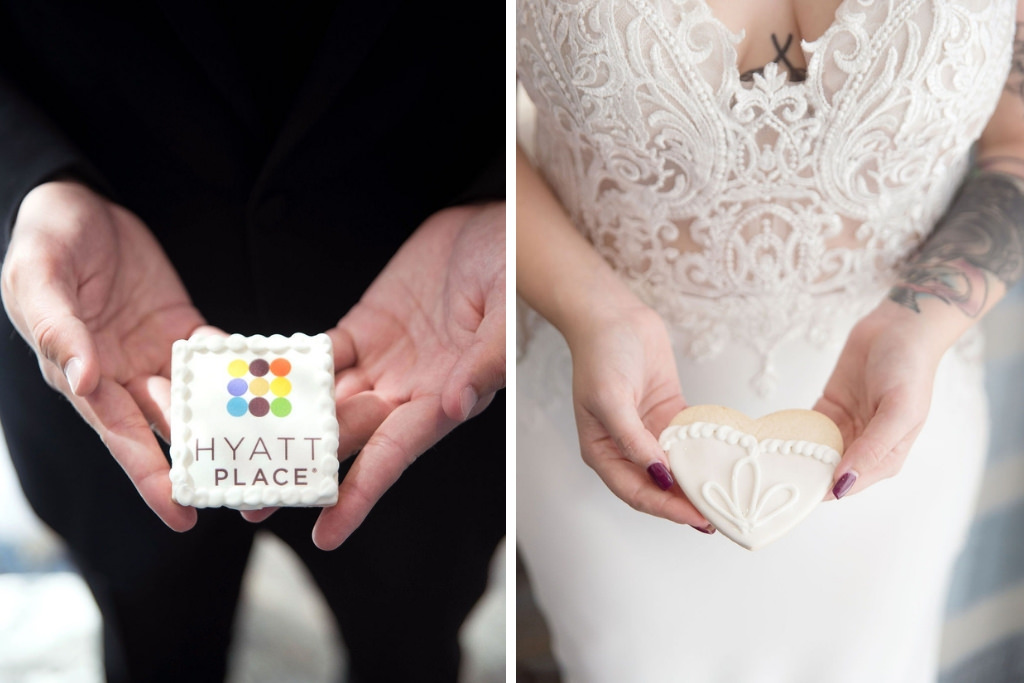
(750, 211)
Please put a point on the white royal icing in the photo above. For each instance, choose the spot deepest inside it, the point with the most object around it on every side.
(253, 422)
(752, 491)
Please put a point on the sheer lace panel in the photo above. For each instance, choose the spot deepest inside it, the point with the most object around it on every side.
(749, 211)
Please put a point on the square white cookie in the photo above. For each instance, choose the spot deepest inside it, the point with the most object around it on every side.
(253, 422)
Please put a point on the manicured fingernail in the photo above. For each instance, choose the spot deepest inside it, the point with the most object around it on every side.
(660, 474)
(844, 484)
(467, 401)
(73, 373)
(709, 529)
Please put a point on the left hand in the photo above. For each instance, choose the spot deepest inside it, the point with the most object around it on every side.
(879, 395)
(422, 351)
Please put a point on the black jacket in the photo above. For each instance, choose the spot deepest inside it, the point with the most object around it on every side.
(280, 160)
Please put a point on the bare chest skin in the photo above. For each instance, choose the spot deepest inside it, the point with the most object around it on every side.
(773, 30)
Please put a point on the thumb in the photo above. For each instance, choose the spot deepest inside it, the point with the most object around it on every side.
(879, 451)
(59, 337)
(479, 371)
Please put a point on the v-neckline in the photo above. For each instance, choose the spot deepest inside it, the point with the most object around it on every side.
(733, 68)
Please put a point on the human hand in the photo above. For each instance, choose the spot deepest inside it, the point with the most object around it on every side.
(422, 351)
(91, 291)
(879, 394)
(625, 392)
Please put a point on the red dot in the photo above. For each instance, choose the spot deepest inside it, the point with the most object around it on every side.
(258, 367)
(281, 367)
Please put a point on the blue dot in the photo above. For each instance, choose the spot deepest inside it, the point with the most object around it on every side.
(237, 387)
(238, 406)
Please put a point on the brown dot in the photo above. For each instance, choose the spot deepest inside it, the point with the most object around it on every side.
(259, 407)
(259, 367)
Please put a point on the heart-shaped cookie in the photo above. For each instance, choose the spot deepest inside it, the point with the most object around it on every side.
(753, 479)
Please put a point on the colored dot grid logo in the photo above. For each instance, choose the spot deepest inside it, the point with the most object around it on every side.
(258, 386)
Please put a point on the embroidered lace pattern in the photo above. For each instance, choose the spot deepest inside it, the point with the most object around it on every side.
(751, 211)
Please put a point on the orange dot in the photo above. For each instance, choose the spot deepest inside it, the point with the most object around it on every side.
(281, 367)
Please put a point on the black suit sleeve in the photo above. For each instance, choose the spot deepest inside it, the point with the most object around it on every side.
(488, 185)
(32, 150)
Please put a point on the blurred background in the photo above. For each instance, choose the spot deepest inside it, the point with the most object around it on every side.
(50, 626)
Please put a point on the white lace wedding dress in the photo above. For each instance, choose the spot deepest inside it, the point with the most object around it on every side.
(761, 219)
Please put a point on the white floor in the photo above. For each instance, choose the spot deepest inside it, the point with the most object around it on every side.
(50, 627)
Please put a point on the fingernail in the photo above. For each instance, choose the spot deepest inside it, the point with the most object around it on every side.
(709, 529)
(660, 474)
(73, 373)
(156, 430)
(468, 401)
(844, 484)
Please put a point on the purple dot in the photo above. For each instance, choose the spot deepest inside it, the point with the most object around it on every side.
(259, 367)
(259, 407)
(237, 387)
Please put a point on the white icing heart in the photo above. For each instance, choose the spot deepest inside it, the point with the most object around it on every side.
(752, 490)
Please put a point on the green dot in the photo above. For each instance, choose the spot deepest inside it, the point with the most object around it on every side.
(280, 407)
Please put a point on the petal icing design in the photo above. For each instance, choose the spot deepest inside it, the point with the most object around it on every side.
(748, 507)
(762, 515)
(719, 500)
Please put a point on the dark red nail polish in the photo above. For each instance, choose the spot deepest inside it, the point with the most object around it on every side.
(844, 484)
(661, 476)
(709, 529)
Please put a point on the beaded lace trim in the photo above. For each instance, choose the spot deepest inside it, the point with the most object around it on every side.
(753, 211)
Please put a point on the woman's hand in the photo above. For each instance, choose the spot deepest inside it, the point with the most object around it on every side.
(625, 391)
(625, 387)
(879, 394)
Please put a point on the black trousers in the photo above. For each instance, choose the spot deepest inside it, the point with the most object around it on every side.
(400, 587)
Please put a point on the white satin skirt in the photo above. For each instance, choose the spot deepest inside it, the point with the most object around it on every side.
(855, 593)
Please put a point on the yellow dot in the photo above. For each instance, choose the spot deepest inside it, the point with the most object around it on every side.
(238, 367)
(280, 386)
(259, 386)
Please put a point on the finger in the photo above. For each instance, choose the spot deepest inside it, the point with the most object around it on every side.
(48, 309)
(842, 419)
(358, 418)
(631, 484)
(153, 396)
(408, 431)
(479, 371)
(209, 331)
(349, 382)
(482, 404)
(878, 452)
(125, 431)
(657, 417)
(635, 442)
(343, 346)
(257, 516)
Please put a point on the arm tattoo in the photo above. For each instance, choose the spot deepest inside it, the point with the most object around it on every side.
(981, 237)
(795, 72)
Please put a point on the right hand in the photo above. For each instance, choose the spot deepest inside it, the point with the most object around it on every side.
(625, 391)
(89, 288)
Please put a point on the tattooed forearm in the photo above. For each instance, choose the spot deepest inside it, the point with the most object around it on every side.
(981, 238)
